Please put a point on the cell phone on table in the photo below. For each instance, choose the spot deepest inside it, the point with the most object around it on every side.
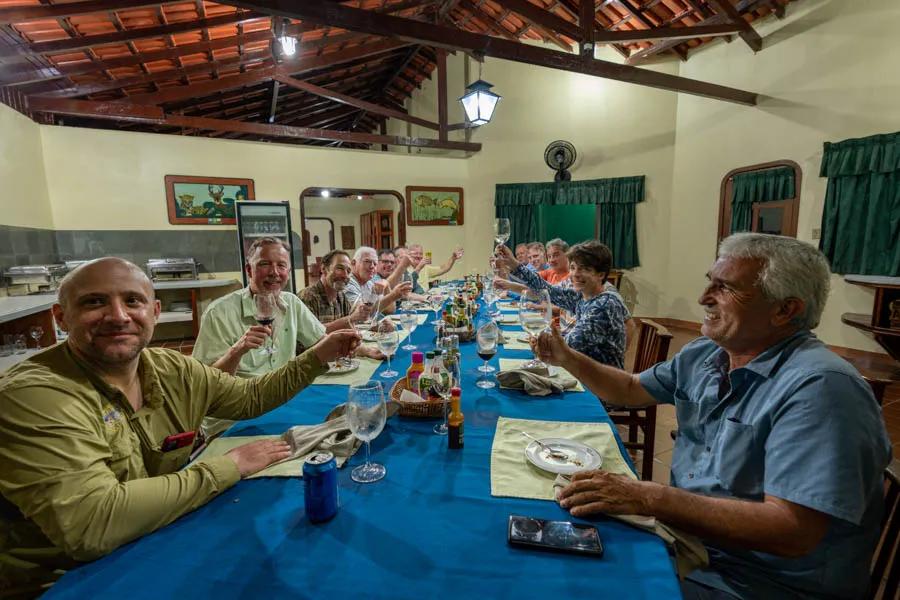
(558, 536)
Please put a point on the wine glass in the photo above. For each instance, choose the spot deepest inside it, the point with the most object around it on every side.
(366, 414)
(409, 320)
(266, 305)
(535, 313)
(36, 332)
(501, 230)
(388, 339)
(436, 299)
(442, 382)
(487, 337)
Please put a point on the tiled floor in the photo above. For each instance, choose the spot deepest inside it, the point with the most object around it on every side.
(665, 420)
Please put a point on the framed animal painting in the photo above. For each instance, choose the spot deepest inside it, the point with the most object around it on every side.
(205, 200)
(434, 205)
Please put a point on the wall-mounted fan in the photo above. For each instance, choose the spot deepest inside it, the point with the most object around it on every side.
(559, 156)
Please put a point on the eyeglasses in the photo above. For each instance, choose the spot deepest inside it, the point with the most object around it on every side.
(387, 262)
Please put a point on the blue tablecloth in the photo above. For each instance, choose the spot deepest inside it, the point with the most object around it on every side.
(429, 529)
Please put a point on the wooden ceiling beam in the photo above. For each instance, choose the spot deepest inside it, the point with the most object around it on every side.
(543, 18)
(155, 116)
(22, 14)
(351, 101)
(636, 12)
(665, 33)
(489, 21)
(364, 21)
(199, 90)
(79, 43)
(748, 34)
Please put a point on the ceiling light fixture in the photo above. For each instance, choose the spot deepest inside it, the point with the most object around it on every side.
(287, 42)
(326, 194)
(478, 101)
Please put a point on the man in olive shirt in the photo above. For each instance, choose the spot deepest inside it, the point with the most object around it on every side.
(87, 459)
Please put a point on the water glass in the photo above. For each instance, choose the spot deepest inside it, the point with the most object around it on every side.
(366, 415)
(409, 320)
(21, 345)
(388, 338)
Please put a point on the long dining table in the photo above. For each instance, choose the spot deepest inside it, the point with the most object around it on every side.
(430, 528)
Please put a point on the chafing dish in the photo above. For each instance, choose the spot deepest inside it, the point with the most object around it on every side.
(165, 269)
(33, 279)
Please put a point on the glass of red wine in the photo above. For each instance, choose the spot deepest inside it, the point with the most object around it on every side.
(266, 307)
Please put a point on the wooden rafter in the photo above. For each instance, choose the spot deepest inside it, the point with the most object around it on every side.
(22, 14)
(542, 17)
(748, 34)
(355, 19)
(665, 33)
(119, 111)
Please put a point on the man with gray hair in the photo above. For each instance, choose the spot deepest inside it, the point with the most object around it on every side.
(96, 432)
(362, 279)
(778, 465)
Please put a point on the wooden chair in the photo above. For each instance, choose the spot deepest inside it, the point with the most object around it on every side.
(885, 582)
(652, 348)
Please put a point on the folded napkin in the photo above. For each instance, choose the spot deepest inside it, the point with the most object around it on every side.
(535, 382)
(690, 553)
(332, 436)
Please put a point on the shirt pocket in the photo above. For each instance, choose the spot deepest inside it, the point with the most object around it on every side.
(739, 460)
(163, 463)
(122, 445)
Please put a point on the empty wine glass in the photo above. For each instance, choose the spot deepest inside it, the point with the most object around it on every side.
(266, 307)
(366, 414)
(442, 382)
(436, 299)
(487, 337)
(21, 344)
(388, 339)
(501, 230)
(36, 332)
(409, 320)
(535, 313)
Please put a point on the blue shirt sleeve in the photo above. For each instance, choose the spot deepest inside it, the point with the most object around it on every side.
(819, 452)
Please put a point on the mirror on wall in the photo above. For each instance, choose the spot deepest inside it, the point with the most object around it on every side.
(340, 218)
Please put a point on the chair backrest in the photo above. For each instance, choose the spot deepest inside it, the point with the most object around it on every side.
(652, 346)
(886, 562)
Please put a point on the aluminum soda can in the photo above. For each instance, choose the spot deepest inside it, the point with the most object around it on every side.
(320, 487)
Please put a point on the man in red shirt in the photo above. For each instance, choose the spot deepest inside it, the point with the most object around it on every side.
(559, 263)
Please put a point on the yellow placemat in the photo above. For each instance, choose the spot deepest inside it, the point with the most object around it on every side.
(395, 318)
(367, 368)
(508, 319)
(511, 473)
(507, 307)
(508, 364)
(221, 445)
(513, 341)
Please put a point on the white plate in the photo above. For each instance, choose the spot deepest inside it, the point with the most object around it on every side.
(369, 336)
(578, 456)
(338, 369)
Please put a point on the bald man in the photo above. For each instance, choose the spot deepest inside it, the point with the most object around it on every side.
(94, 431)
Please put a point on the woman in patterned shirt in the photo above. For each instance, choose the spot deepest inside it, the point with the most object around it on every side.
(600, 316)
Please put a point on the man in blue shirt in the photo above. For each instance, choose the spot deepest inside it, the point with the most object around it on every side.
(778, 465)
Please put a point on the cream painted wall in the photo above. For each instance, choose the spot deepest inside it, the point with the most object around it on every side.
(26, 203)
(828, 72)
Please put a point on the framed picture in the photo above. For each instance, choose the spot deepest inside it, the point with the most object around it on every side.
(205, 200)
(434, 205)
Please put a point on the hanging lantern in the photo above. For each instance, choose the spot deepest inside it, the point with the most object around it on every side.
(479, 101)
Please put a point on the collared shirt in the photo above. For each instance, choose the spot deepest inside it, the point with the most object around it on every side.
(325, 309)
(599, 329)
(554, 277)
(797, 422)
(413, 277)
(355, 289)
(82, 473)
(228, 318)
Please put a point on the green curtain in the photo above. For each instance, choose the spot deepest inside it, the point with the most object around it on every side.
(861, 219)
(616, 197)
(747, 189)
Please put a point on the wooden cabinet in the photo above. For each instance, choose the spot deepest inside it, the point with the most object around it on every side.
(377, 229)
(884, 322)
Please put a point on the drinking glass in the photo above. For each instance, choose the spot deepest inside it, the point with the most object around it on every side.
(409, 320)
(21, 345)
(266, 307)
(366, 414)
(436, 299)
(535, 313)
(388, 339)
(487, 337)
(442, 382)
(36, 332)
(501, 230)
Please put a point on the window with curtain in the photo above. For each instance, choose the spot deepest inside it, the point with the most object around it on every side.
(762, 198)
(532, 210)
(861, 219)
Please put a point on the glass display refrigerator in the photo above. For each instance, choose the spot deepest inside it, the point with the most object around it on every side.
(264, 219)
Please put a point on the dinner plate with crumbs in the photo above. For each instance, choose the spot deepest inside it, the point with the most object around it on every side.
(562, 456)
(337, 368)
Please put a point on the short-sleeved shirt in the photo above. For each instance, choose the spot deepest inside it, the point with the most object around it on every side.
(599, 329)
(354, 288)
(553, 277)
(797, 422)
(82, 473)
(326, 310)
(228, 318)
